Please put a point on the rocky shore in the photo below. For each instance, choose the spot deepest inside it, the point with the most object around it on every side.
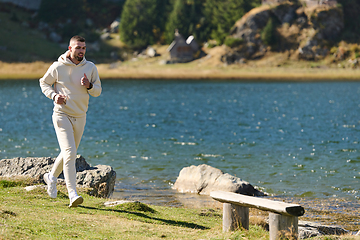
(203, 179)
(99, 180)
(200, 180)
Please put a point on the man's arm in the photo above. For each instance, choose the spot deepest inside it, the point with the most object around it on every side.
(96, 89)
(47, 81)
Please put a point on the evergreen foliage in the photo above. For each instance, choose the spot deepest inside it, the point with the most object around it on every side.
(144, 22)
(141, 22)
(351, 9)
(223, 14)
(187, 17)
(158, 19)
(268, 33)
(177, 20)
(78, 10)
(69, 16)
(233, 42)
(52, 11)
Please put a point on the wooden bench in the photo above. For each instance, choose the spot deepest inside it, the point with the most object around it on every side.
(283, 217)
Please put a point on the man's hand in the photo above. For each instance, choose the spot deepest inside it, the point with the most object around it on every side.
(60, 99)
(85, 81)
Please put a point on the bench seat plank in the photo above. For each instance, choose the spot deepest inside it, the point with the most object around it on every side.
(260, 203)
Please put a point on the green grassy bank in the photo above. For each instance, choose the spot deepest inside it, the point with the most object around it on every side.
(33, 215)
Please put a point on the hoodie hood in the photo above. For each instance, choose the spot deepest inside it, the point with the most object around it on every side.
(65, 60)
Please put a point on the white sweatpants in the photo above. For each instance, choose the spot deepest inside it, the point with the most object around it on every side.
(69, 131)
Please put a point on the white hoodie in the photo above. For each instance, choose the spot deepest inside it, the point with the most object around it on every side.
(66, 76)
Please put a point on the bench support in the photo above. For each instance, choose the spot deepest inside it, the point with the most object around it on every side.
(234, 217)
(280, 226)
(283, 227)
(283, 217)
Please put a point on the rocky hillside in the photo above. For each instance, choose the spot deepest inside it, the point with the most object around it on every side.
(271, 35)
(302, 33)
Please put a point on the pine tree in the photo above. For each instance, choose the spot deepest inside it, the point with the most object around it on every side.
(138, 25)
(52, 11)
(178, 19)
(186, 16)
(223, 14)
(268, 33)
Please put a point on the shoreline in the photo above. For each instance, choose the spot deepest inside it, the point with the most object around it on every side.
(191, 71)
(330, 211)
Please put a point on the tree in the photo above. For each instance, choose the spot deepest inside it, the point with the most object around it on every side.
(188, 18)
(351, 9)
(223, 14)
(52, 11)
(268, 33)
(70, 17)
(141, 22)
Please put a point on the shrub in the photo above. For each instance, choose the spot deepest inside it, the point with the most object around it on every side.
(268, 33)
(233, 42)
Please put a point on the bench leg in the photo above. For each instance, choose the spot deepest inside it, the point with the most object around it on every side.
(283, 227)
(234, 217)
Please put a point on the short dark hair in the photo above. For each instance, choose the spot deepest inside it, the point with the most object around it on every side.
(77, 38)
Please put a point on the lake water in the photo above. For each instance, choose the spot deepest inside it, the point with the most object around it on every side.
(288, 139)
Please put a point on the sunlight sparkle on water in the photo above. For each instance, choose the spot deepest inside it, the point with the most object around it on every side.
(294, 135)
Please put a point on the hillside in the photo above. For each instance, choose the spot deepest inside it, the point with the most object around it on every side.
(22, 43)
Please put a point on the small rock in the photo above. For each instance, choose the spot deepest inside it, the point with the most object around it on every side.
(30, 188)
(105, 36)
(150, 52)
(114, 26)
(115, 203)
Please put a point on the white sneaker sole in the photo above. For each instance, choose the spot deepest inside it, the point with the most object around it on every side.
(78, 200)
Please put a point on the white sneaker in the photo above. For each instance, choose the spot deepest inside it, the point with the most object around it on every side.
(51, 185)
(75, 201)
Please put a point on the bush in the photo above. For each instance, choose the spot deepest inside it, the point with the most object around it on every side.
(268, 33)
(233, 42)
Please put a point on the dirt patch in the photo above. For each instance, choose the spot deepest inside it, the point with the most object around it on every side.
(213, 57)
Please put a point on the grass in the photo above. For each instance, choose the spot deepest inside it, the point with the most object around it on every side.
(23, 44)
(151, 69)
(207, 68)
(33, 215)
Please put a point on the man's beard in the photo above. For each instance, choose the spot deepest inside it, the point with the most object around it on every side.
(79, 58)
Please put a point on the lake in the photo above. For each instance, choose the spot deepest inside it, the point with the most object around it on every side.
(288, 139)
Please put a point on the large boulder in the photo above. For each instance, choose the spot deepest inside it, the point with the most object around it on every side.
(329, 22)
(325, 25)
(249, 28)
(100, 178)
(306, 32)
(203, 179)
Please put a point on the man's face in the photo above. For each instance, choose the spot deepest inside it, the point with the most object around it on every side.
(77, 50)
